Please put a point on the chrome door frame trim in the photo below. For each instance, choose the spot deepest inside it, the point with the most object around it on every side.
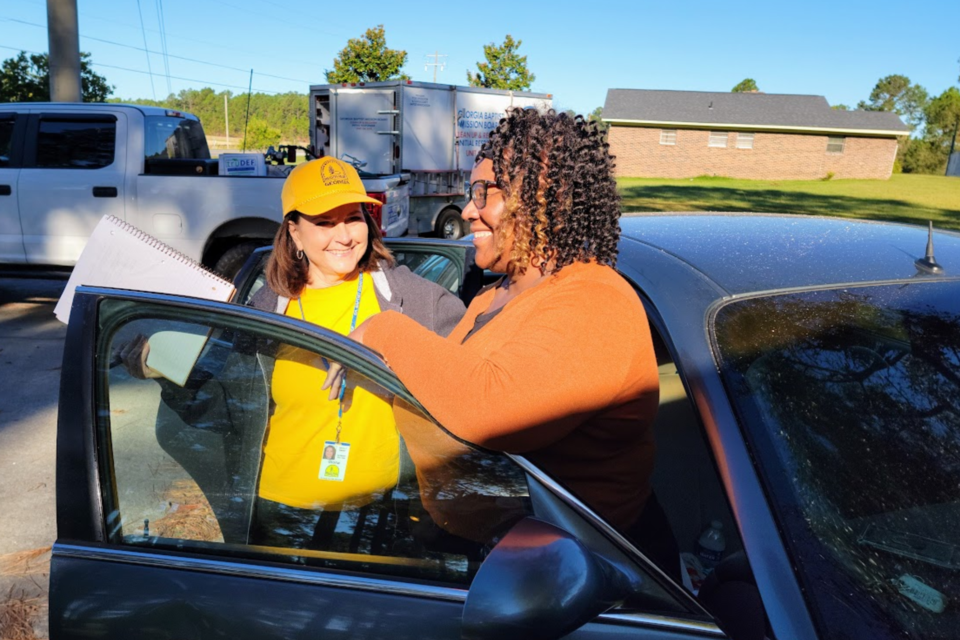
(236, 568)
(663, 622)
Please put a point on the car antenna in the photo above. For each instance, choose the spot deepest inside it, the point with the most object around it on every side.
(928, 264)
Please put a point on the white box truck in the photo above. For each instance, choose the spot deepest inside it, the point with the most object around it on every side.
(429, 132)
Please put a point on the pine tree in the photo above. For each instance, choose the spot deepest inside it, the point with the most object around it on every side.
(368, 59)
(747, 85)
(504, 68)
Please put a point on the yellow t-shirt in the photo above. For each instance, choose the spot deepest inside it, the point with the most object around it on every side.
(304, 420)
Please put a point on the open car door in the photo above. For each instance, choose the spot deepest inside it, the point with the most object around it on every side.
(157, 498)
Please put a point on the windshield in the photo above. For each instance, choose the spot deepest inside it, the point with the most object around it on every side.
(175, 138)
(851, 400)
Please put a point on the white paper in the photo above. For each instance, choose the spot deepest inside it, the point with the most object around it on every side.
(173, 354)
(120, 256)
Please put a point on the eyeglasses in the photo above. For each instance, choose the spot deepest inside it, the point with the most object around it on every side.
(477, 192)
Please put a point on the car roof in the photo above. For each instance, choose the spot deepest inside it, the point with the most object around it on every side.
(745, 253)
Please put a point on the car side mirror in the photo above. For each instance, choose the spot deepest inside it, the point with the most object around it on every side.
(539, 582)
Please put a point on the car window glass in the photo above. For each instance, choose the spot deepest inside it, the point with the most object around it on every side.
(686, 481)
(75, 145)
(423, 262)
(174, 138)
(432, 266)
(230, 463)
(251, 277)
(850, 399)
(6, 141)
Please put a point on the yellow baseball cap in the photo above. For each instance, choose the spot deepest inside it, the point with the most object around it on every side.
(316, 187)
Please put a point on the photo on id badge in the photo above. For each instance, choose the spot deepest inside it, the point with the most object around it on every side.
(333, 466)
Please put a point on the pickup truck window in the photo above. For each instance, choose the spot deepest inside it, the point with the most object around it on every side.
(6, 138)
(174, 138)
(81, 144)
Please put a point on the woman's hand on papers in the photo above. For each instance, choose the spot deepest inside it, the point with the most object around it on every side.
(133, 355)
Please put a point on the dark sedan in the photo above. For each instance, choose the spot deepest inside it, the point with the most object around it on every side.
(810, 404)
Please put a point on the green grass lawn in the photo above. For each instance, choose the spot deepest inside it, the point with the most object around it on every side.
(903, 198)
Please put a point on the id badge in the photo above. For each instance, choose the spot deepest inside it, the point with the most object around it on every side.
(333, 465)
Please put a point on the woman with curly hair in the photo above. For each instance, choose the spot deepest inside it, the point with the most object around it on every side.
(555, 361)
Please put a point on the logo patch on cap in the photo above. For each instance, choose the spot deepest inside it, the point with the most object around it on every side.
(332, 173)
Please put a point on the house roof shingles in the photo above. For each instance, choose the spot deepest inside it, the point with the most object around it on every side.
(766, 110)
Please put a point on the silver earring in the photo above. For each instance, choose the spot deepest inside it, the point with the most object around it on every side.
(299, 254)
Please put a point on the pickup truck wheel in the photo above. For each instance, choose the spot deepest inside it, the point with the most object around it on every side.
(450, 225)
(233, 258)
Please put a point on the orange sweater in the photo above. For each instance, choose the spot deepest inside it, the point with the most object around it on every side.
(565, 374)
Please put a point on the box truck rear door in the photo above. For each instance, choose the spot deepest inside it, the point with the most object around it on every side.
(367, 128)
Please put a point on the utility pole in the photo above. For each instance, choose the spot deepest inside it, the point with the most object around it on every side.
(953, 145)
(436, 63)
(63, 37)
(226, 117)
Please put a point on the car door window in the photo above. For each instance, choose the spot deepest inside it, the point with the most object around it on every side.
(6, 140)
(434, 264)
(211, 466)
(686, 480)
(687, 484)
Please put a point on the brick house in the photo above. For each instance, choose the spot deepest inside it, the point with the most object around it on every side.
(682, 134)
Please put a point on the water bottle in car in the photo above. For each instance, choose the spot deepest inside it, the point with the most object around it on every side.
(710, 546)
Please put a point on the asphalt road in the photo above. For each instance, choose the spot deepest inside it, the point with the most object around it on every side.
(31, 349)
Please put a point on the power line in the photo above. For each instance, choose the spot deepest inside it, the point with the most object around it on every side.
(37, 53)
(189, 39)
(163, 45)
(160, 53)
(273, 16)
(110, 66)
(287, 61)
(315, 18)
(143, 30)
(207, 82)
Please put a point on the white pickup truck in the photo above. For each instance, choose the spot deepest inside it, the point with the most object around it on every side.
(64, 165)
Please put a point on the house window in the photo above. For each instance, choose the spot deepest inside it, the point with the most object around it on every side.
(668, 136)
(718, 139)
(744, 140)
(835, 144)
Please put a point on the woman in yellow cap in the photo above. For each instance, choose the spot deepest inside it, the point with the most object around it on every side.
(329, 266)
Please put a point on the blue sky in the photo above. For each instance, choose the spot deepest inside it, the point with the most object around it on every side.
(836, 49)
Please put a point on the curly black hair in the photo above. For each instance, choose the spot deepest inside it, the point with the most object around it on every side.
(556, 173)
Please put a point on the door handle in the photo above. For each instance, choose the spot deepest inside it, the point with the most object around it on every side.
(104, 192)
(5, 190)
